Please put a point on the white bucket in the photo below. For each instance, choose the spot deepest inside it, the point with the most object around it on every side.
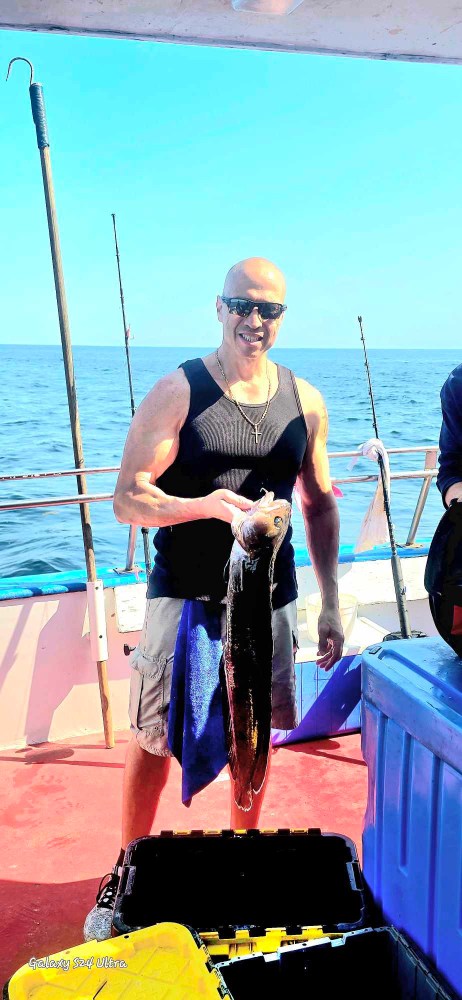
(348, 605)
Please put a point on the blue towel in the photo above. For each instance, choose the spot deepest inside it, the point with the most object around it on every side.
(196, 734)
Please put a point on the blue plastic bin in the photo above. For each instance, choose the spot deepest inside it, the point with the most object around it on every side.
(412, 840)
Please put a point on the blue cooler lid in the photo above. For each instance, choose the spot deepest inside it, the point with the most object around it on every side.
(418, 683)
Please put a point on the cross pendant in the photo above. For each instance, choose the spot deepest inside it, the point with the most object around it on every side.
(257, 432)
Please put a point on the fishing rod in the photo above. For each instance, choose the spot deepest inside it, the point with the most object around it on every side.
(95, 592)
(400, 589)
(144, 531)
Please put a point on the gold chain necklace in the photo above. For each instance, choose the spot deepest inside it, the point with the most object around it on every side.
(234, 400)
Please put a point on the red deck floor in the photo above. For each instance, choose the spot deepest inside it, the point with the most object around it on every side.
(60, 816)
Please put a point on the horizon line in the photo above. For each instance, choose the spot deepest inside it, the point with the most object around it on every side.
(212, 347)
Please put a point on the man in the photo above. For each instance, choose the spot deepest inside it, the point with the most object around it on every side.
(449, 479)
(202, 445)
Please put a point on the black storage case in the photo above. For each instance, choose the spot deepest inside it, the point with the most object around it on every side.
(255, 879)
(374, 963)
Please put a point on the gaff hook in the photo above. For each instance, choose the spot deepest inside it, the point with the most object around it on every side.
(37, 104)
(22, 59)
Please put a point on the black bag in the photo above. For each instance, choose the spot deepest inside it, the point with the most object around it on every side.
(443, 577)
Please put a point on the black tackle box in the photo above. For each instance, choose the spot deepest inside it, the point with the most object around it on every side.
(238, 885)
(378, 963)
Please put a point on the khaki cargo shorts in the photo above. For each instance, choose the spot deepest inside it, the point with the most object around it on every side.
(152, 663)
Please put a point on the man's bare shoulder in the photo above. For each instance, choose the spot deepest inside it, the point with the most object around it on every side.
(310, 397)
(314, 409)
(169, 396)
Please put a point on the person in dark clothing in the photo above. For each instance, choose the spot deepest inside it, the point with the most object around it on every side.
(449, 479)
(202, 445)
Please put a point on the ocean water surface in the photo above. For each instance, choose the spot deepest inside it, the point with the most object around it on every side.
(35, 436)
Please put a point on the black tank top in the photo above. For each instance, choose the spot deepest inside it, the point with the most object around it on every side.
(217, 449)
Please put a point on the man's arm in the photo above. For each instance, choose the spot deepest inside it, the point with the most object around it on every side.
(151, 447)
(321, 518)
(449, 479)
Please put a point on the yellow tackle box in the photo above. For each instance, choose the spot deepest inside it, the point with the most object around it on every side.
(164, 962)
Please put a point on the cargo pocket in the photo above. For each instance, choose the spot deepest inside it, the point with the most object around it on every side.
(158, 637)
(149, 693)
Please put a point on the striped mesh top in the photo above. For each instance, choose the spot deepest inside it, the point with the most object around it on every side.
(217, 449)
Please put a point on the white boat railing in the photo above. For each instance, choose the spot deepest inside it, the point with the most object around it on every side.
(426, 474)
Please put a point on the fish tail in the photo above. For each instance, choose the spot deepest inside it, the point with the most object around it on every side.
(243, 796)
(241, 778)
(263, 747)
(241, 764)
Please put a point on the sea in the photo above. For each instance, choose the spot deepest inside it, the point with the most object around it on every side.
(35, 437)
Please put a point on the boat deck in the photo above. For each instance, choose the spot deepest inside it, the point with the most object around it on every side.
(60, 818)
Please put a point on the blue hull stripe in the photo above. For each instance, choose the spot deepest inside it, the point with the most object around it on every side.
(14, 587)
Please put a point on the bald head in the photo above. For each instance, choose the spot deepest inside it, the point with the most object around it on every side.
(255, 278)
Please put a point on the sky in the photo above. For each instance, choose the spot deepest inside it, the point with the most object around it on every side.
(345, 172)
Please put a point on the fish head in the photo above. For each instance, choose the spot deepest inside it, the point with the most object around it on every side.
(263, 526)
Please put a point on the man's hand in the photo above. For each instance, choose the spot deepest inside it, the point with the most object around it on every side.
(330, 633)
(223, 504)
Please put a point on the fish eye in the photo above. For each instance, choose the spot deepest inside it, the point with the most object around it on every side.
(277, 521)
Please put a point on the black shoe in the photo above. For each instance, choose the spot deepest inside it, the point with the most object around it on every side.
(98, 923)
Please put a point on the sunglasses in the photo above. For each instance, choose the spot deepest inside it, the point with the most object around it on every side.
(243, 307)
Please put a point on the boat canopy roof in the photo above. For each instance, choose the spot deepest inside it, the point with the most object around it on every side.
(420, 30)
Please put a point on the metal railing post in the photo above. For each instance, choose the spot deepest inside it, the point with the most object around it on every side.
(430, 463)
(131, 548)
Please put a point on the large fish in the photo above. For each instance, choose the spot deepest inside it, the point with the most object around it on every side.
(248, 650)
